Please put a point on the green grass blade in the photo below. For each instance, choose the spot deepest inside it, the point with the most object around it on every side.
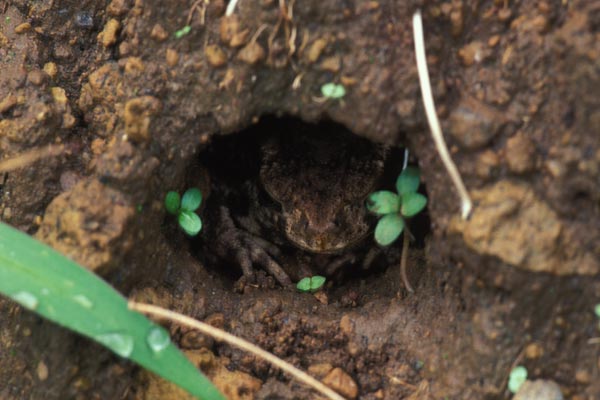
(57, 288)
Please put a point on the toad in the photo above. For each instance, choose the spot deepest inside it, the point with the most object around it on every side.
(309, 195)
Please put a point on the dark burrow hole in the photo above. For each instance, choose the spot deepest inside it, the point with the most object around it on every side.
(291, 192)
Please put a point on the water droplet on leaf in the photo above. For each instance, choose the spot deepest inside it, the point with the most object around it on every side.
(158, 339)
(119, 343)
(83, 301)
(26, 299)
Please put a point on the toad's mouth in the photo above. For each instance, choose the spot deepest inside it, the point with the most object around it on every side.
(330, 241)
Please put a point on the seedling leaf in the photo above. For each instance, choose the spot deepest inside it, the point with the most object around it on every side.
(316, 282)
(333, 91)
(408, 181)
(303, 284)
(57, 288)
(190, 222)
(183, 31)
(388, 229)
(172, 202)
(192, 198)
(517, 377)
(597, 310)
(383, 202)
(311, 284)
(412, 204)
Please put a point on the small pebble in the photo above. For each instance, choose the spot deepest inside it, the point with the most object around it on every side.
(215, 55)
(159, 33)
(252, 53)
(172, 57)
(504, 14)
(108, 36)
(117, 8)
(51, 69)
(42, 371)
(331, 64)
(582, 376)
(36, 77)
(320, 370)
(539, 390)
(342, 383)
(228, 28)
(59, 95)
(68, 179)
(315, 50)
(8, 102)
(7, 213)
(22, 28)
(346, 324)
(134, 65)
(534, 350)
(3, 40)
(474, 52)
(520, 153)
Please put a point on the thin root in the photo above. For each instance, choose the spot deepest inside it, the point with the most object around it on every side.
(404, 259)
(235, 341)
(230, 8)
(432, 119)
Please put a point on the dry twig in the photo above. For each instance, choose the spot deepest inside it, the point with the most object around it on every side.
(230, 8)
(235, 341)
(404, 259)
(201, 10)
(432, 119)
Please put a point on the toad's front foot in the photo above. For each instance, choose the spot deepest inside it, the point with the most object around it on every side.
(247, 250)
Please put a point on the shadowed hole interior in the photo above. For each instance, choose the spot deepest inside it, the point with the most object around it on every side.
(234, 165)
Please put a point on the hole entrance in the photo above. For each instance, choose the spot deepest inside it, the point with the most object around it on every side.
(288, 197)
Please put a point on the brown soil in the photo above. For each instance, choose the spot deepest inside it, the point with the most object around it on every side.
(516, 85)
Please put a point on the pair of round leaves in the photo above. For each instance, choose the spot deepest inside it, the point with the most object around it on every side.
(516, 379)
(184, 207)
(394, 207)
(333, 91)
(311, 284)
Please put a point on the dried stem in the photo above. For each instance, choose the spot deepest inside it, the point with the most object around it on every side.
(404, 259)
(235, 341)
(230, 8)
(432, 119)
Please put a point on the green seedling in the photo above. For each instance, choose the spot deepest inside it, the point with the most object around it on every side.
(184, 208)
(394, 209)
(517, 378)
(333, 91)
(183, 32)
(54, 287)
(597, 310)
(311, 284)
